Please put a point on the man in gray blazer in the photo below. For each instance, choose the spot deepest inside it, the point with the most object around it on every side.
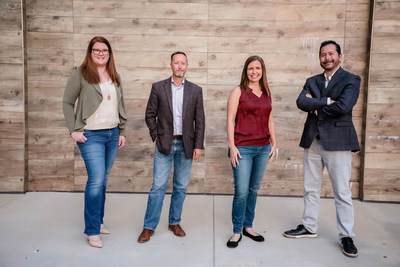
(328, 139)
(175, 118)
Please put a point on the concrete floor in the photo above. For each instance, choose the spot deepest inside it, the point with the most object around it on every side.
(45, 229)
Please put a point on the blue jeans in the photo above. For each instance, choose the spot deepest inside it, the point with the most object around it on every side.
(161, 170)
(98, 152)
(248, 176)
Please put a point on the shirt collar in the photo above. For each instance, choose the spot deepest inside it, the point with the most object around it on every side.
(330, 77)
(172, 81)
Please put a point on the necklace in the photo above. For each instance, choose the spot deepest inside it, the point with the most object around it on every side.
(107, 88)
(108, 85)
(105, 79)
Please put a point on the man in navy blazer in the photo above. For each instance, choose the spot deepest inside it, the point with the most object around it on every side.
(328, 139)
(176, 121)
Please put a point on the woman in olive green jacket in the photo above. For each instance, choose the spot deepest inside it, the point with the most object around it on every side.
(94, 110)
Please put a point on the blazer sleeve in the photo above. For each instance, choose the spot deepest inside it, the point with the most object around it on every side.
(123, 118)
(71, 93)
(346, 101)
(151, 113)
(199, 120)
(308, 104)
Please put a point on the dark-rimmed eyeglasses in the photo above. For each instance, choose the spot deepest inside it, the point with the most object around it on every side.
(99, 52)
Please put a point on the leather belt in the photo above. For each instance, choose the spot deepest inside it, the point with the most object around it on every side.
(178, 137)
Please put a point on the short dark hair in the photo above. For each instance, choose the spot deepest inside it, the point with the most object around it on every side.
(328, 43)
(177, 53)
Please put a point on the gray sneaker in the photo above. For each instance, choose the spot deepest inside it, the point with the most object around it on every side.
(299, 232)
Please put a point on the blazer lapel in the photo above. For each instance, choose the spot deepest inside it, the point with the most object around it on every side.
(321, 83)
(335, 79)
(97, 86)
(186, 96)
(168, 92)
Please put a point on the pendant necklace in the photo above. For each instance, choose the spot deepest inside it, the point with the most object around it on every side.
(108, 90)
(106, 84)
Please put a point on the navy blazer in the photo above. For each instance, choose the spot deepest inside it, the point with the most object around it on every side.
(159, 117)
(333, 123)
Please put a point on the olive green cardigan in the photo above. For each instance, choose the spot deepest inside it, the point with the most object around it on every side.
(89, 98)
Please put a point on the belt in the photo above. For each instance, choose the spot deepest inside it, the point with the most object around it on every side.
(178, 137)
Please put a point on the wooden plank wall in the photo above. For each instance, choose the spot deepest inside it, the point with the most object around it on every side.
(50, 58)
(382, 146)
(218, 35)
(12, 111)
(287, 35)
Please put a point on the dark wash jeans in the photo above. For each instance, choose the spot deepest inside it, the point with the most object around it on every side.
(247, 177)
(98, 152)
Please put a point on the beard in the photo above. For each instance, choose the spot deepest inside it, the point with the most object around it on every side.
(334, 64)
(179, 74)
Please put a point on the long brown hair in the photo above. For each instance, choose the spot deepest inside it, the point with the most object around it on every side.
(89, 68)
(244, 81)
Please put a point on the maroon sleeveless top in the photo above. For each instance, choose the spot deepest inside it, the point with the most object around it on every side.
(251, 122)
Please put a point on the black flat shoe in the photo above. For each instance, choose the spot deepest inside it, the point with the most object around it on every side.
(257, 238)
(233, 244)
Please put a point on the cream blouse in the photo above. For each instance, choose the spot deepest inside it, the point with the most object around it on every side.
(106, 116)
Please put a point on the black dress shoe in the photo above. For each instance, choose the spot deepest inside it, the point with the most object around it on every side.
(299, 232)
(349, 249)
(257, 238)
(233, 244)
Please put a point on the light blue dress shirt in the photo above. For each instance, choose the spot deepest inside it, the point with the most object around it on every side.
(177, 103)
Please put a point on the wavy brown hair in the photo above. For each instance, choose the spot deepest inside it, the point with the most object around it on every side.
(89, 68)
(244, 81)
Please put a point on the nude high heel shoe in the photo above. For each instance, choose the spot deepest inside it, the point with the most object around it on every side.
(104, 230)
(95, 241)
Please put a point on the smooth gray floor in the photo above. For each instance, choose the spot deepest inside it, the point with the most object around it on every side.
(45, 229)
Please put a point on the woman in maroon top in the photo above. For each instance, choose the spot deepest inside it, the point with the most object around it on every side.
(252, 144)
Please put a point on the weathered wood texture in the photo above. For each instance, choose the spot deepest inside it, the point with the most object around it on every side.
(12, 112)
(382, 144)
(218, 36)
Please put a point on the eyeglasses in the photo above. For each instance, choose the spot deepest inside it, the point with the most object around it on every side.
(98, 52)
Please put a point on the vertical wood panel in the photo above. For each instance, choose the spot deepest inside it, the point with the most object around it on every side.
(382, 144)
(50, 58)
(12, 112)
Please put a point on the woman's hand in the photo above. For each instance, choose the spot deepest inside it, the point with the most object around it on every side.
(78, 137)
(235, 155)
(121, 141)
(272, 153)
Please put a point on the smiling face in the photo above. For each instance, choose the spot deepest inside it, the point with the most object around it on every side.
(179, 65)
(254, 71)
(329, 58)
(100, 54)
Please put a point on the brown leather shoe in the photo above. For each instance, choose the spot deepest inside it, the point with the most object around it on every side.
(145, 235)
(177, 229)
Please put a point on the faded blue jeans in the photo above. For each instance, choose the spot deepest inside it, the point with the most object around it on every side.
(98, 152)
(247, 177)
(161, 170)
